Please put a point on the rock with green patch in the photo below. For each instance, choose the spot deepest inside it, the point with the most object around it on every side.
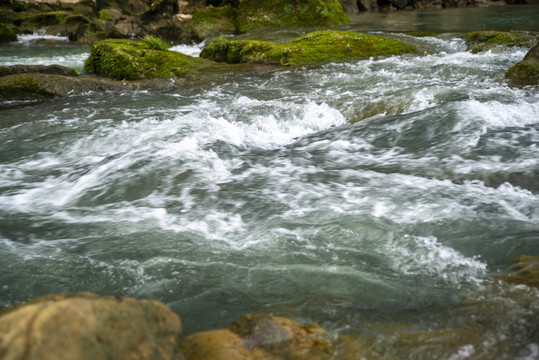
(526, 72)
(7, 34)
(212, 21)
(37, 69)
(134, 60)
(319, 46)
(485, 40)
(256, 14)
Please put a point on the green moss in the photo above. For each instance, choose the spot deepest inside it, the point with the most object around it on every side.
(212, 21)
(254, 14)
(523, 73)
(486, 40)
(133, 60)
(320, 46)
(49, 18)
(22, 87)
(7, 34)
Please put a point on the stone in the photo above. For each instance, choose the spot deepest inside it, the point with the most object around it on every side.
(211, 21)
(260, 336)
(6, 33)
(486, 40)
(35, 86)
(39, 69)
(135, 60)
(320, 46)
(87, 326)
(256, 14)
(526, 72)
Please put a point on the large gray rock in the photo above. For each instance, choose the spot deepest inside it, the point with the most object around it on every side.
(37, 69)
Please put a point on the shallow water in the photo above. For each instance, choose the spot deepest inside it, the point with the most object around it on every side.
(376, 190)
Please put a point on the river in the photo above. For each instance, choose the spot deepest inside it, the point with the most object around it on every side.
(383, 190)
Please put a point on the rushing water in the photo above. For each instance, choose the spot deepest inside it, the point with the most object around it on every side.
(376, 190)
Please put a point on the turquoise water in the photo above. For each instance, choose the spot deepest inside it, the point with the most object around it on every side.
(376, 190)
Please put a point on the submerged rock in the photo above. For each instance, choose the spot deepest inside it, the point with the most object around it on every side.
(526, 72)
(134, 60)
(260, 336)
(525, 270)
(486, 40)
(320, 46)
(87, 326)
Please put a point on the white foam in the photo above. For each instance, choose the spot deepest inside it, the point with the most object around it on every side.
(28, 39)
(191, 50)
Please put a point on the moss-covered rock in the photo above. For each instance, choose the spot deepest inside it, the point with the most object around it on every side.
(485, 40)
(526, 72)
(255, 14)
(320, 46)
(37, 69)
(212, 21)
(7, 34)
(134, 60)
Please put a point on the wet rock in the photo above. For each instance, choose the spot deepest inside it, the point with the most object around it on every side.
(524, 270)
(526, 72)
(134, 60)
(211, 21)
(7, 34)
(260, 336)
(485, 40)
(87, 326)
(35, 86)
(320, 46)
(38, 69)
(255, 14)
(76, 26)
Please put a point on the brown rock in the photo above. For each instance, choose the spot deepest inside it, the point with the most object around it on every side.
(260, 336)
(88, 326)
(526, 72)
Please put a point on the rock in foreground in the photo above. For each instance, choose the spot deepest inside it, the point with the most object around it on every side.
(87, 326)
(134, 60)
(260, 336)
(526, 72)
(320, 46)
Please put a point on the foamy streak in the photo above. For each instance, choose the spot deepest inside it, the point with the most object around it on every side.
(191, 50)
(28, 39)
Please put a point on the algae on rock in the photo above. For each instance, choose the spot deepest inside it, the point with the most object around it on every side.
(134, 60)
(254, 14)
(212, 21)
(486, 40)
(319, 46)
(7, 34)
(526, 72)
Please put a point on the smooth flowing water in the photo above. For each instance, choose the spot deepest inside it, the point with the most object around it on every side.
(382, 190)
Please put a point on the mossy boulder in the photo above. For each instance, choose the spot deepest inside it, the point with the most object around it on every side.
(319, 46)
(135, 60)
(260, 336)
(212, 21)
(526, 72)
(485, 40)
(7, 34)
(87, 326)
(256, 14)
